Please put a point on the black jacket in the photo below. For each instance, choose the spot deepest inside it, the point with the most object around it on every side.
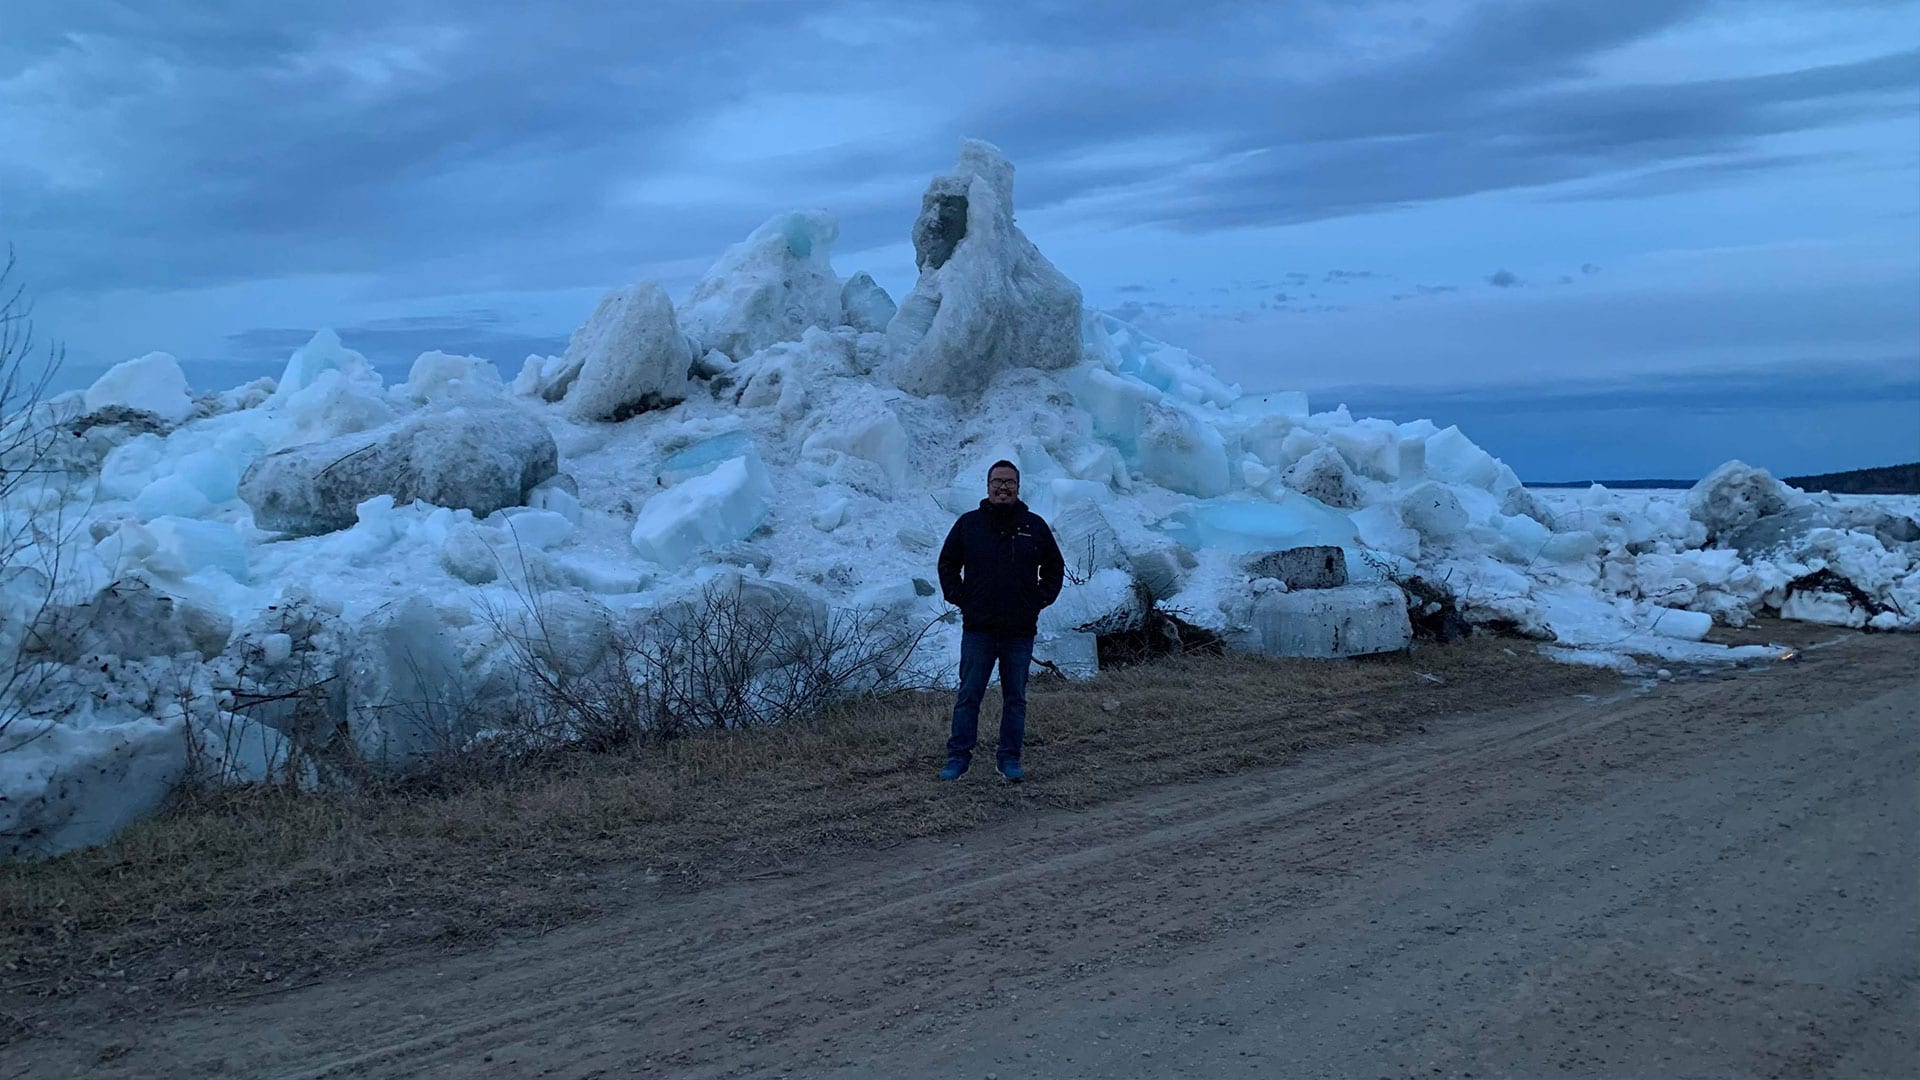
(1000, 567)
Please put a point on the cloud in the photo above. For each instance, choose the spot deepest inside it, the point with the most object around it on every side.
(1676, 425)
(445, 146)
(1694, 176)
(1503, 279)
(393, 344)
(1777, 385)
(1425, 290)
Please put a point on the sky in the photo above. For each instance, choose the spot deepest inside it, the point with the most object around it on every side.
(1609, 240)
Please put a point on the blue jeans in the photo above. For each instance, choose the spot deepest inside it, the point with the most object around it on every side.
(978, 653)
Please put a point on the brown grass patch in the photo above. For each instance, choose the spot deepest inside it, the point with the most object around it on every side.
(246, 890)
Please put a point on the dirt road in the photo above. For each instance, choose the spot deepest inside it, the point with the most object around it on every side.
(1714, 878)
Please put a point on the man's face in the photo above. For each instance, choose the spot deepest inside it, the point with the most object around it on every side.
(1003, 486)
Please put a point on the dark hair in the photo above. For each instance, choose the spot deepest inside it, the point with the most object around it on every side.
(1003, 463)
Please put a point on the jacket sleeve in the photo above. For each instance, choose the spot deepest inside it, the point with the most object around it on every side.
(953, 588)
(1053, 568)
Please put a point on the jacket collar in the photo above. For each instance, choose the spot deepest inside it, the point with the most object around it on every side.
(1017, 507)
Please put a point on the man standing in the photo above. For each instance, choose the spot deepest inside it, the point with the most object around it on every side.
(999, 566)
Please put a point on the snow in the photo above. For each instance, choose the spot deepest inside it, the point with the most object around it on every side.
(1180, 452)
(152, 383)
(986, 300)
(865, 305)
(438, 376)
(629, 355)
(1351, 620)
(771, 287)
(480, 458)
(359, 555)
(1736, 495)
(324, 353)
(709, 511)
(1323, 475)
(1243, 525)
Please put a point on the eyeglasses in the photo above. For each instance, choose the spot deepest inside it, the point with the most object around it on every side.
(1003, 483)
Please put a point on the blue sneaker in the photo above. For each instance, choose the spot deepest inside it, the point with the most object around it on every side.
(1012, 772)
(954, 768)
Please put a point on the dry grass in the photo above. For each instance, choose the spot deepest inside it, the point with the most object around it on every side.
(256, 888)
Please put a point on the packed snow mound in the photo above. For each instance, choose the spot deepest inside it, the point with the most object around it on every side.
(152, 383)
(1736, 495)
(443, 377)
(628, 358)
(986, 301)
(303, 578)
(771, 287)
(480, 459)
(865, 306)
(709, 511)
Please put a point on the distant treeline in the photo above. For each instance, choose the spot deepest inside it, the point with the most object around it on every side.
(1886, 480)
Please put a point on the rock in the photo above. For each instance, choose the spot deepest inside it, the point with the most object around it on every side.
(865, 306)
(630, 355)
(1737, 494)
(986, 300)
(1353, 620)
(1318, 567)
(479, 459)
(768, 288)
(1323, 475)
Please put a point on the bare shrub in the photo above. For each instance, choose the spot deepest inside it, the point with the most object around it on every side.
(33, 486)
(737, 655)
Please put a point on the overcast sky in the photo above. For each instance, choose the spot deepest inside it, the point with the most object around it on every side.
(1619, 238)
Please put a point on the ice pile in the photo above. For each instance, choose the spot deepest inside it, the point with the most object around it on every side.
(302, 577)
